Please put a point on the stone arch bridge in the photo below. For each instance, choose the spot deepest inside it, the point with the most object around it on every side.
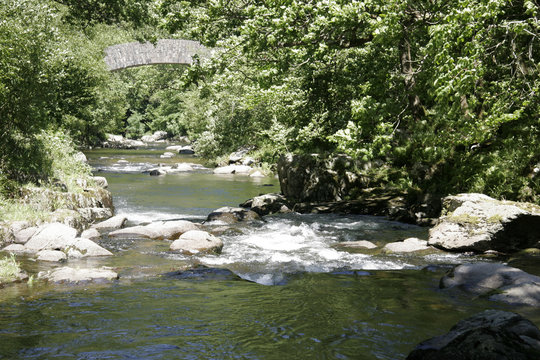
(165, 51)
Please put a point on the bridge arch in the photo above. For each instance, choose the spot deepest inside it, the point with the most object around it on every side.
(165, 51)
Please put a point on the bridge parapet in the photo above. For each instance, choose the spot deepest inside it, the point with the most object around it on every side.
(166, 51)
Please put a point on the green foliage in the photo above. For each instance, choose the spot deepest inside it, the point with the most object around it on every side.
(445, 93)
(9, 269)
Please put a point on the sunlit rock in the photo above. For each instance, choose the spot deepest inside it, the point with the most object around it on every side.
(87, 248)
(156, 230)
(231, 215)
(51, 236)
(51, 255)
(476, 222)
(361, 244)
(407, 245)
(233, 169)
(114, 223)
(101, 181)
(91, 234)
(78, 275)
(268, 204)
(197, 241)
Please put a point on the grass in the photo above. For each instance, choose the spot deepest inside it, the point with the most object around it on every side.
(9, 269)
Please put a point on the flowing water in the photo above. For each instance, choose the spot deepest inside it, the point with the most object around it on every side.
(281, 289)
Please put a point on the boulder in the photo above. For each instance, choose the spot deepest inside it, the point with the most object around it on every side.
(313, 178)
(91, 234)
(268, 204)
(490, 335)
(407, 245)
(68, 274)
(119, 142)
(155, 137)
(186, 150)
(496, 281)
(182, 167)
(156, 230)
(476, 222)
(114, 223)
(22, 231)
(51, 255)
(231, 215)
(51, 237)
(197, 241)
(167, 155)
(233, 169)
(86, 248)
(15, 248)
(157, 172)
(101, 181)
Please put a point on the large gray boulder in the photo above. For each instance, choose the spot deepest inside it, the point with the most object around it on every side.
(406, 246)
(51, 237)
(78, 275)
(313, 178)
(476, 222)
(231, 215)
(51, 255)
(497, 281)
(197, 241)
(268, 204)
(157, 230)
(114, 223)
(490, 335)
(82, 247)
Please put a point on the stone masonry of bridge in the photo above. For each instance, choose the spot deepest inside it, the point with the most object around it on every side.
(166, 51)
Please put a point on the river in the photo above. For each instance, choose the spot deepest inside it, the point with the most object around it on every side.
(284, 291)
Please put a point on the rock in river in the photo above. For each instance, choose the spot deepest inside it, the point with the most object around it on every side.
(498, 281)
(51, 236)
(490, 335)
(156, 230)
(476, 222)
(406, 246)
(231, 215)
(268, 204)
(196, 241)
(78, 275)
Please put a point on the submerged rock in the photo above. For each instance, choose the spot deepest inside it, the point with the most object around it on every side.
(476, 222)
(231, 215)
(78, 275)
(496, 281)
(490, 335)
(197, 241)
(201, 272)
